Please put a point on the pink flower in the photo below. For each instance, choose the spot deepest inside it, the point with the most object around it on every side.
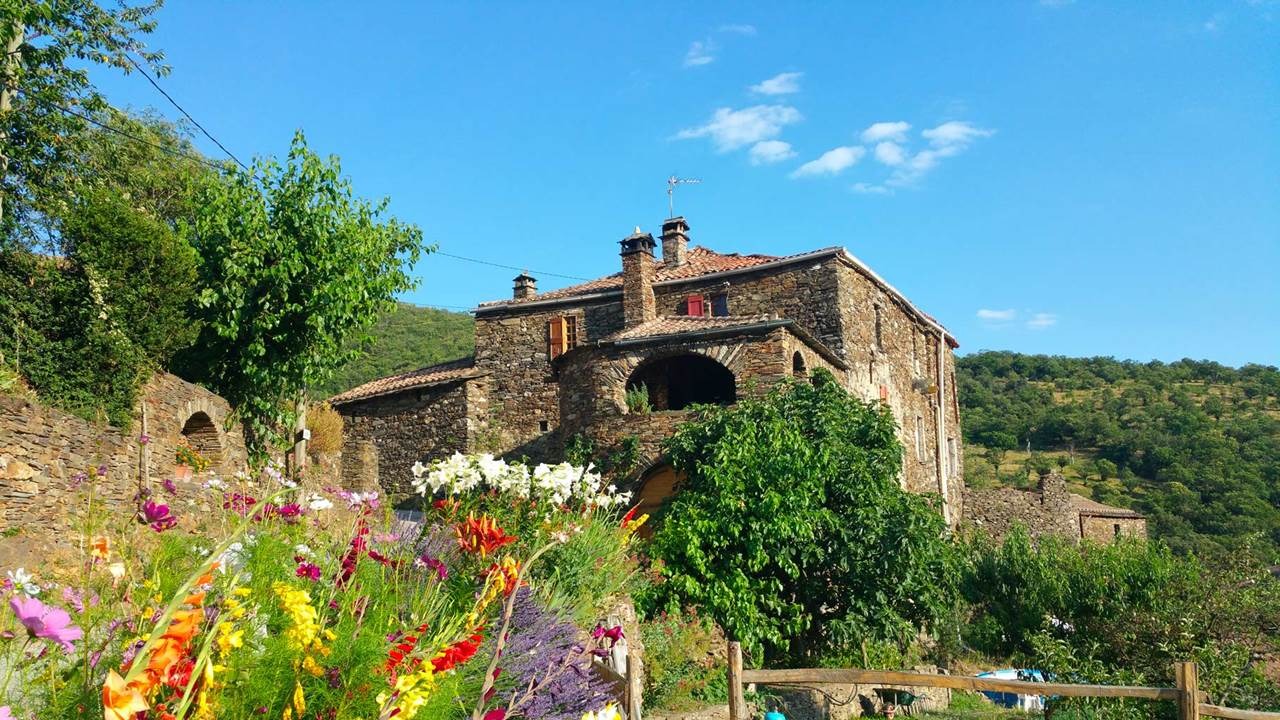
(5, 713)
(42, 621)
(157, 516)
(308, 570)
(613, 634)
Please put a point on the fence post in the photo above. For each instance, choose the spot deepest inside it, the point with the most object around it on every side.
(1188, 678)
(737, 703)
(635, 696)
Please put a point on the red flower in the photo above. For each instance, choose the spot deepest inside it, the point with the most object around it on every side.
(481, 535)
(457, 653)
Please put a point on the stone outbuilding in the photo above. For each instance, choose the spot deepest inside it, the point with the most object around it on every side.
(1051, 509)
(693, 326)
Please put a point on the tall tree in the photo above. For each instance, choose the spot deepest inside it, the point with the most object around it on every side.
(293, 266)
(44, 85)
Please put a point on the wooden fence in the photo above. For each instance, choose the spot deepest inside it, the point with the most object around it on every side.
(627, 687)
(1192, 703)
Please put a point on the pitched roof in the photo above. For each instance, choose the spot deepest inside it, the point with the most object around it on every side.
(1097, 509)
(699, 261)
(677, 324)
(452, 371)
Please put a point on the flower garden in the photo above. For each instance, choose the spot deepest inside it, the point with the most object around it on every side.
(294, 602)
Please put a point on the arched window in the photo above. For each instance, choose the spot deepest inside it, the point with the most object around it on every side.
(674, 383)
(797, 365)
(203, 436)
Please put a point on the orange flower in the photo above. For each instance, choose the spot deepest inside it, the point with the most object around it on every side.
(505, 574)
(100, 548)
(121, 701)
(481, 535)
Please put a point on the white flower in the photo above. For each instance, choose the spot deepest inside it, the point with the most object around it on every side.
(319, 502)
(24, 581)
(418, 469)
(302, 549)
(214, 483)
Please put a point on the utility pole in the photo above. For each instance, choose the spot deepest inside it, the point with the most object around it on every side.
(8, 85)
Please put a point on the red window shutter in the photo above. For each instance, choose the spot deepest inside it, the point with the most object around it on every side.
(884, 393)
(695, 304)
(557, 335)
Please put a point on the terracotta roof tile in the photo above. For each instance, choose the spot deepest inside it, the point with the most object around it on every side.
(1091, 507)
(699, 261)
(674, 324)
(423, 377)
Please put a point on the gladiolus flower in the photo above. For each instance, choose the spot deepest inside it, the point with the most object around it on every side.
(121, 701)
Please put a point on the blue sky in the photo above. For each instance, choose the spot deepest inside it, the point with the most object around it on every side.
(1063, 177)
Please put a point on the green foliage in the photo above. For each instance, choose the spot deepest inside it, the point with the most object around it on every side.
(293, 269)
(637, 398)
(684, 665)
(56, 45)
(1123, 614)
(406, 337)
(791, 530)
(1195, 444)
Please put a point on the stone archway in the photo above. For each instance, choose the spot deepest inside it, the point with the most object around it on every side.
(674, 382)
(203, 435)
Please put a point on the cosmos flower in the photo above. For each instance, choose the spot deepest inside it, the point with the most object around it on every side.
(43, 621)
(157, 515)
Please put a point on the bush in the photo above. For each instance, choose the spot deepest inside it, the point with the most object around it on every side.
(638, 400)
(684, 662)
(325, 425)
(791, 531)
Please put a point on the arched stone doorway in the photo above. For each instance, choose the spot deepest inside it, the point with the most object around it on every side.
(678, 381)
(202, 434)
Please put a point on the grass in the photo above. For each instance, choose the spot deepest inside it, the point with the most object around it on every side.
(970, 706)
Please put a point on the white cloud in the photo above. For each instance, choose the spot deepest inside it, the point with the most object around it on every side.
(780, 84)
(896, 131)
(768, 152)
(869, 189)
(832, 162)
(997, 315)
(890, 153)
(701, 52)
(1042, 320)
(738, 29)
(946, 140)
(731, 129)
(954, 134)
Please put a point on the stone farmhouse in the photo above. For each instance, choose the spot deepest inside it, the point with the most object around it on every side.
(694, 326)
(1050, 509)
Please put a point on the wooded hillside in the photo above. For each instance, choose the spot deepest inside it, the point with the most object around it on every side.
(1193, 444)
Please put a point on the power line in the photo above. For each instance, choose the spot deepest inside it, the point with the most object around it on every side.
(510, 267)
(183, 110)
(131, 136)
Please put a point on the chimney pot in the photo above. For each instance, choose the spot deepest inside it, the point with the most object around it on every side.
(526, 286)
(675, 241)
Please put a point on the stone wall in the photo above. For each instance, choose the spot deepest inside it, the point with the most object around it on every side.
(1103, 529)
(1046, 511)
(42, 449)
(384, 436)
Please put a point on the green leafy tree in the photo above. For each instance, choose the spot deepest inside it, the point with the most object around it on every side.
(49, 47)
(293, 267)
(791, 531)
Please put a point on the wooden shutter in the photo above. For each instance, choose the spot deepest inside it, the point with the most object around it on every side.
(695, 305)
(557, 336)
(884, 393)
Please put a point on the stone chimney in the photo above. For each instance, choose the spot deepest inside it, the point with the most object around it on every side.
(675, 241)
(638, 304)
(525, 286)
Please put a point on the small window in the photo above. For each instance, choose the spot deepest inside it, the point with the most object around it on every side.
(915, 352)
(797, 365)
(884, 393)
(1115, 528)
(695, 306)
(720, 305)
(919, 438)
(544, 425)
(952, 470)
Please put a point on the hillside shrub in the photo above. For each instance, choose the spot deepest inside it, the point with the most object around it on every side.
(325, 425)
(791, 531)
(684, 662)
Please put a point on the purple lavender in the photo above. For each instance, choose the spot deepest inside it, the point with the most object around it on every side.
(541, 644)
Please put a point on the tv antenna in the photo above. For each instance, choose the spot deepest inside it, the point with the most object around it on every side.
(672, 182)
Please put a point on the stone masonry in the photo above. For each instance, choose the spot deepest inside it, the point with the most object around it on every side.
(693, 326)
(1049, 510)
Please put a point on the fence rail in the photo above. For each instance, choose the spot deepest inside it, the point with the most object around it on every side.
(1192, 702)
